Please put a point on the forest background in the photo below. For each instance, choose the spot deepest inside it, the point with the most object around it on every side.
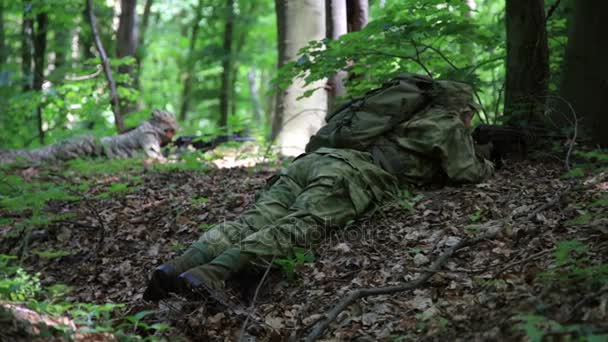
(216, 63)
(230, 66)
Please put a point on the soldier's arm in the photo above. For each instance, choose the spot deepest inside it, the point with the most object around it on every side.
(459, 159)
(151, 145)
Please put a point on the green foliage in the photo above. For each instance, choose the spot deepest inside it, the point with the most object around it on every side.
(114, 190)
(577, 172)
(50, 254)
(96, 167)
(205, 226)
(17, 286)
(476, 216)
(574, 271)
(429, 37)
(538, 327)
(580, 220)
(407, 200)
(289, 265)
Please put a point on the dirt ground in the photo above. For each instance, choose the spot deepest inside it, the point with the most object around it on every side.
(484, 292)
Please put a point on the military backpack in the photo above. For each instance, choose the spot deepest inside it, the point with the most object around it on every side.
(359, 122)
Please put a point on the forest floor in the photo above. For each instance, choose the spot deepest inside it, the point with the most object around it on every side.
(545, 273)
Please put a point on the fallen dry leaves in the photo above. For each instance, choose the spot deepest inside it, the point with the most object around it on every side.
(477, 295)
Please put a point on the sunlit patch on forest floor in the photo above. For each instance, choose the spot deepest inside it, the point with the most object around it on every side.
(545, 273)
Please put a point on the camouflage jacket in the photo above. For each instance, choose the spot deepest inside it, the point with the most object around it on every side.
(433, 146)
(147, 138)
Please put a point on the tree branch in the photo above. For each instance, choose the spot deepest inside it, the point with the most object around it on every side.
(120, 125)
(320, 327)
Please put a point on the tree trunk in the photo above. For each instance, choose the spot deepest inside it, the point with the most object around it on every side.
(62, 46)
(42, 21)
(145, 22)
(527, 61)
(305, 21)
(85, 36)
(3, 49)
(584, 83)
(127, 42)
(105, 62)
(183, 112)
(255, 96)
(27, 46)
(358, 14)
(277, 119)
(227, 65)
(336, 27)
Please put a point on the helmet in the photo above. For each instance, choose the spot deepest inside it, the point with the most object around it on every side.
(454, 95)
(164, 120)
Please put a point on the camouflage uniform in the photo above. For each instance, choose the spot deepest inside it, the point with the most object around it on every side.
(147, 137)
(329, 187)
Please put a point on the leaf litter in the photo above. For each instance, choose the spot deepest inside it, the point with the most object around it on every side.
(114, 242)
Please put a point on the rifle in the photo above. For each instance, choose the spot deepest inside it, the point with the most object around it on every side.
(206, 143)
(506, 141)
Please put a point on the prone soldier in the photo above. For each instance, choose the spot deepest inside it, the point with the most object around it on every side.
(411, 131)
(147, 137)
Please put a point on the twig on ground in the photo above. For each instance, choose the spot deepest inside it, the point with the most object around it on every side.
(255, 297)
(331, 316)
(573, 140)
(515, 263)
(583, 301)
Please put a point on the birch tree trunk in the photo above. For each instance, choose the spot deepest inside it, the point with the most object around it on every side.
(126, 46)
(42, 21)
(336, 27)
(305, 21)
(527, 61)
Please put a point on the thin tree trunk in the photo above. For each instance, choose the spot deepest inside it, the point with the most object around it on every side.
(62, 46)
(237, 48)
(277, 119)
(584, 84)
(145, 22)
(358, 14)
(255, 96)
(227, 65)
(336, 27)
(85, 37)
(27, 46)
(183, 112)
(127, 41)
(118, 119)
(3, 49)
(527, 61)
(42, 21)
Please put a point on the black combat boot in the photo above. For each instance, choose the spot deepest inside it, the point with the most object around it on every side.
(214, 274)
(165, 277)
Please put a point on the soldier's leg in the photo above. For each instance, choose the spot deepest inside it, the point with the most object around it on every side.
(335, 193)
(273, 203)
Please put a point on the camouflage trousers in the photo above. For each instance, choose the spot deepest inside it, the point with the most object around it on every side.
(81, 146)
(327, 188)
